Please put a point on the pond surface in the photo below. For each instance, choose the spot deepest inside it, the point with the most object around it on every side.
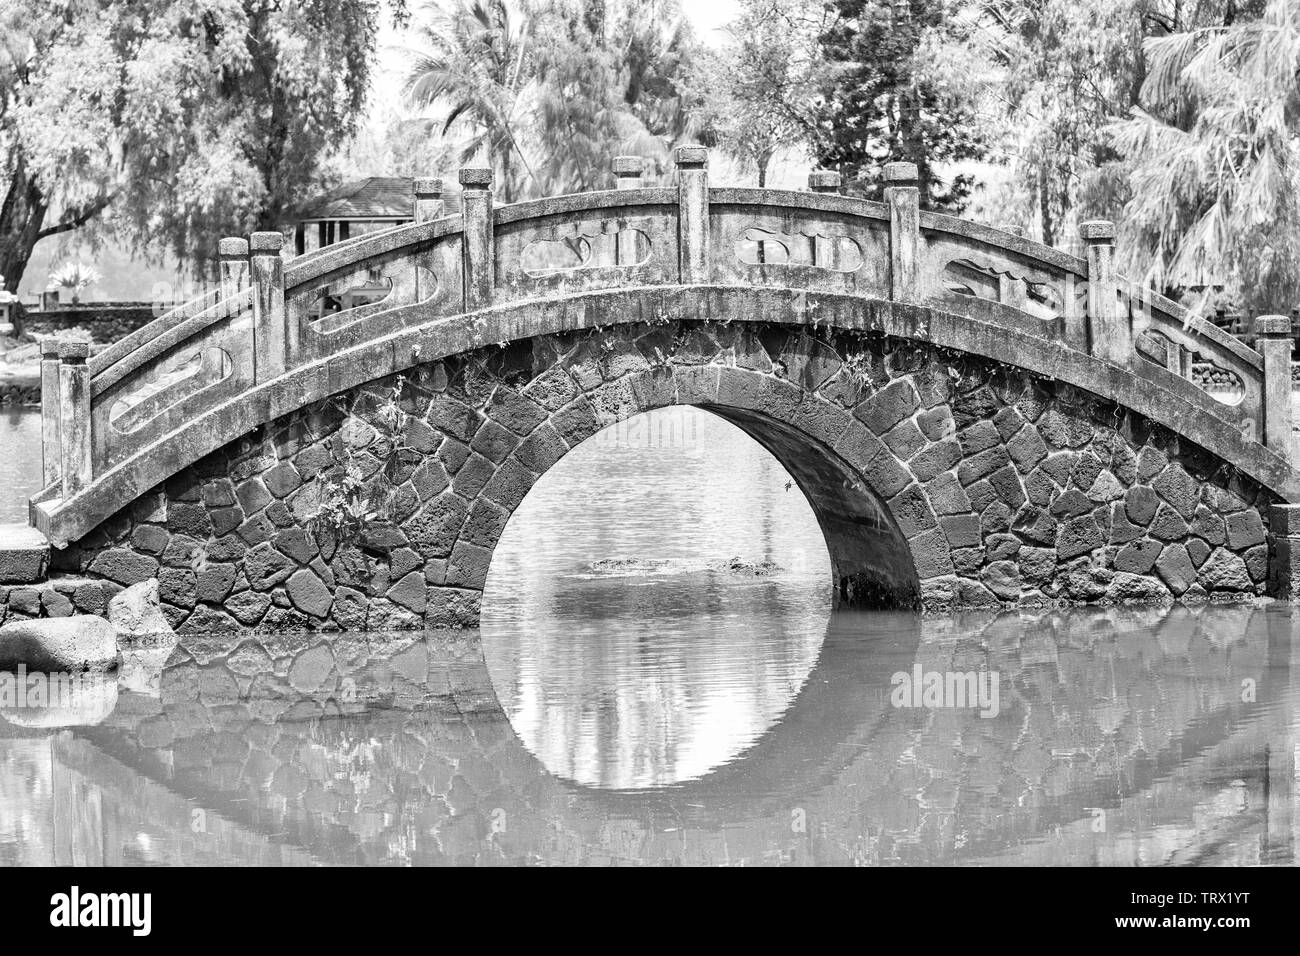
(20, 461)
(658, 679)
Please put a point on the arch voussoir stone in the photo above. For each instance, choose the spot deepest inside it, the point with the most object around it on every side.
(939, 479)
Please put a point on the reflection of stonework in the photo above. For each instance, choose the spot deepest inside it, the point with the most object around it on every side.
(388, 749)
(935, 477)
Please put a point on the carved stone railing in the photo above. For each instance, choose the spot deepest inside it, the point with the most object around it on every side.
(270, 318)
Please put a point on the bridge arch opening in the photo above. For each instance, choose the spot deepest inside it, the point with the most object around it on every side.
(659, 598)
(871, 563)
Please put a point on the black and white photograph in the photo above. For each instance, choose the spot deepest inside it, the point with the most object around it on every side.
(651, 433)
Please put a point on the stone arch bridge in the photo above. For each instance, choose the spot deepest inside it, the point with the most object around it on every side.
(338, 440)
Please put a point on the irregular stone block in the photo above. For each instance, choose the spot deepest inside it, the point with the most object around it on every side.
(24, 554)
(124, 566)
(1224, 571)
(1138, 557)
(137, 611)
(309, 593)
(1245, 529)
(69, 645)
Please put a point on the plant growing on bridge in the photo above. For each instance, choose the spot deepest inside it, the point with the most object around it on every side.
(349, 501)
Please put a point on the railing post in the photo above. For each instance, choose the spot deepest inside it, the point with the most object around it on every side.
(627, 175)
(824, 181)
(270, 321)
(51, 413)
(1178, 360)
(904, 198)
(232, 256)
(1273, 342)
(693, 214)
(428, 199)
(476, 244)
(1110, 333)
(628, 171)
(74, 412)
(428, 206)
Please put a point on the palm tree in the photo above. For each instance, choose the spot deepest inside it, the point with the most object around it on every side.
(474, 63)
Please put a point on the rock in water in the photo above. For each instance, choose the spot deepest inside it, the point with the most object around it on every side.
(64, 644)
(136, 612)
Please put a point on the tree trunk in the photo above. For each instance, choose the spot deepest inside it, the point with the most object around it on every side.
(21, 218)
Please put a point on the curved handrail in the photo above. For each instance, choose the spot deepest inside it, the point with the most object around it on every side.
(310, 267)
(1006, 241)
(170, 338)
(793, 199)
(1207, 330)
(583, 202)
(129, 343)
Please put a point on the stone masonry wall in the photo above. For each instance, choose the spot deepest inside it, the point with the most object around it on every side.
(380, 507)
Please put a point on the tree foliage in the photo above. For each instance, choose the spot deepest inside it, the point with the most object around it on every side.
(755, 96)
(171, 124)
(1214, 157)
(472, 60)
(887, 99)
(549, 91)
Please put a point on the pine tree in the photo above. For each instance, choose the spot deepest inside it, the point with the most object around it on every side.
(881, 105)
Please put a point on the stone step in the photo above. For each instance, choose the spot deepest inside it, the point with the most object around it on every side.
(24, 554)
(59, 595)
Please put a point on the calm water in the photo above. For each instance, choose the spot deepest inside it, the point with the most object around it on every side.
(20, 461)
(638, 694)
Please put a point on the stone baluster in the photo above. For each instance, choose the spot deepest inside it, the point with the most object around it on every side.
(627, 175)
(1273, 342)
(428, 206)
(1178, 360)
(476, 245)
(1110, 331)
(74, 413)
(428, 199)
(904, 198)
(824, 181)
(628, 171)
(693, 214)
(232, 255)
(271, 339)
(51, 466)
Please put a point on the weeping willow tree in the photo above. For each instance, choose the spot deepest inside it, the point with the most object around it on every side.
(1214, 160)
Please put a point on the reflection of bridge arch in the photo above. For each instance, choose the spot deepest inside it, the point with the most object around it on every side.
(969, 379)
(872, 782)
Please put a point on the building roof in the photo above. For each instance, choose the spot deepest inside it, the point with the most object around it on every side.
(378, 197)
